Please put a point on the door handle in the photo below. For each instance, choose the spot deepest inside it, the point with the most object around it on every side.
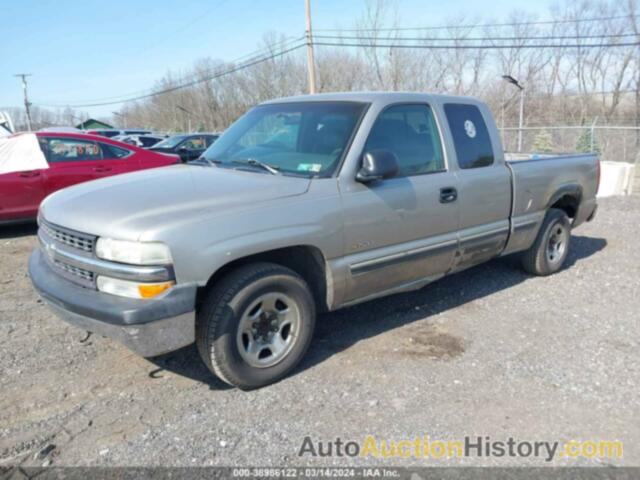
(102, 169)
(29, 174)
(448, 195)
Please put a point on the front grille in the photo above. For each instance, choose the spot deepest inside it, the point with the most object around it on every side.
(66, 237)
(78, 272)
(56, 241)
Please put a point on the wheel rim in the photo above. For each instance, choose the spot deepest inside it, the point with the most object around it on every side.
(557, 244)
(268, 329)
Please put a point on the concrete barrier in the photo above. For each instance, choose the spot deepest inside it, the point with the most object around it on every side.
(616, 178)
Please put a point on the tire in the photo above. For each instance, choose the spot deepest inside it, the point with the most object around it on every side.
(241, 327)
(554, 235)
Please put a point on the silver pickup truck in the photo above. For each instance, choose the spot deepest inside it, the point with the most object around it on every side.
(305, 204)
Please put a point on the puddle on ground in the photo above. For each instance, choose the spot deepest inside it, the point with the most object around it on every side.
(432, 342)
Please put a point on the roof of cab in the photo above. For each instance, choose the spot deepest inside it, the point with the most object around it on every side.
(374, 97)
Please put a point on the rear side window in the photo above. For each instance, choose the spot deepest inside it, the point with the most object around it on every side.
(410, 132)
(111, 151)
(470, 135)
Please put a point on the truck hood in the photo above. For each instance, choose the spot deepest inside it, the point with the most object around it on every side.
(128, 206)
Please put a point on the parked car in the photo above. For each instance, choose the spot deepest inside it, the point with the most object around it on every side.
(61, 129)
(189, 147)
(304, 205)
(72, 158)
(142, 141)
(113, 132)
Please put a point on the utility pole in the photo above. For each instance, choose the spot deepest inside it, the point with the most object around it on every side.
(310, 61)
(124, 119)
(515, 82)
(521, 120)
(188, 117)
(26, 96)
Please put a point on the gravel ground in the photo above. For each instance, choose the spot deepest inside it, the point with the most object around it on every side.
(489, 351)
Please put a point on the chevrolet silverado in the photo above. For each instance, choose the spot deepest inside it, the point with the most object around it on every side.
(305, 204)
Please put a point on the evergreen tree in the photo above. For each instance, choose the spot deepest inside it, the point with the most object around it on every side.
(585, 142)
(543, 142)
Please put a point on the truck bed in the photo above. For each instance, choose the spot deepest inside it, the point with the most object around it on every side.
(538, 181)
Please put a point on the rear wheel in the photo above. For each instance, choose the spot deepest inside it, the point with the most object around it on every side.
(551, 247)
(256, 325)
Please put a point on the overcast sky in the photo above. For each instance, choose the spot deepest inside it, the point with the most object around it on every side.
(82, 50)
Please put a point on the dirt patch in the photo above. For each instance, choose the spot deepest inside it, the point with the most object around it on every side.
(433, 342)
(487, 350)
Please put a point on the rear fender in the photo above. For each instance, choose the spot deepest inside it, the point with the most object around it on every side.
(572, 190)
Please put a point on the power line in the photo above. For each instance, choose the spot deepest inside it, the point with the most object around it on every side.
(115, 99)
(286, 42)
(482, 25)
(285, 47)
(541, 37)
(485, 47)
(191, 83)
(203, 15)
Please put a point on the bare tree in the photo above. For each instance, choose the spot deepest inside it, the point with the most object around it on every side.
(570, 71)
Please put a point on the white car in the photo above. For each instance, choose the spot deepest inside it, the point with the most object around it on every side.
(142, 141)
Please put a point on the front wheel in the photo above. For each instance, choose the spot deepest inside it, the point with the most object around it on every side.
(551, 247)
(255, 326)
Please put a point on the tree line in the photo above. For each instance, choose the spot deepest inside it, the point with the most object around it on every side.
(574, 69)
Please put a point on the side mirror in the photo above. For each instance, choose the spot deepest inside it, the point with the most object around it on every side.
(182, 149)
(377, 165)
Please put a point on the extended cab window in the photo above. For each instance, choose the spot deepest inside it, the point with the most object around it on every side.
(470, 135)
(410, 132)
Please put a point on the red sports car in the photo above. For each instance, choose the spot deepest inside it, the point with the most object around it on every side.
(72, 158)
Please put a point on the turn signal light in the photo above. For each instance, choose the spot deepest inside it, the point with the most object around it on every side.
(151, 290)
(125, 288)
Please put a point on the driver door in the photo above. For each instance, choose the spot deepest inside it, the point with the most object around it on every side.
(402, 230)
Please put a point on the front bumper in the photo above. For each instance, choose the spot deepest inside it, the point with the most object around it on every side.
(147, 327)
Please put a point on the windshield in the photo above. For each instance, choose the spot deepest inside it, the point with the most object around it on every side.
(306, 138)
(170, 142)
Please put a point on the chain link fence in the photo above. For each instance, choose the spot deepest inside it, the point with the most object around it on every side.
(613, 143)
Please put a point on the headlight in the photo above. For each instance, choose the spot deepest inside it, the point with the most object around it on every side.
(135, 253)
(125, 288)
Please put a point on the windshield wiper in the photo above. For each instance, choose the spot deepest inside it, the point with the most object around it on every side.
(257, 163)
